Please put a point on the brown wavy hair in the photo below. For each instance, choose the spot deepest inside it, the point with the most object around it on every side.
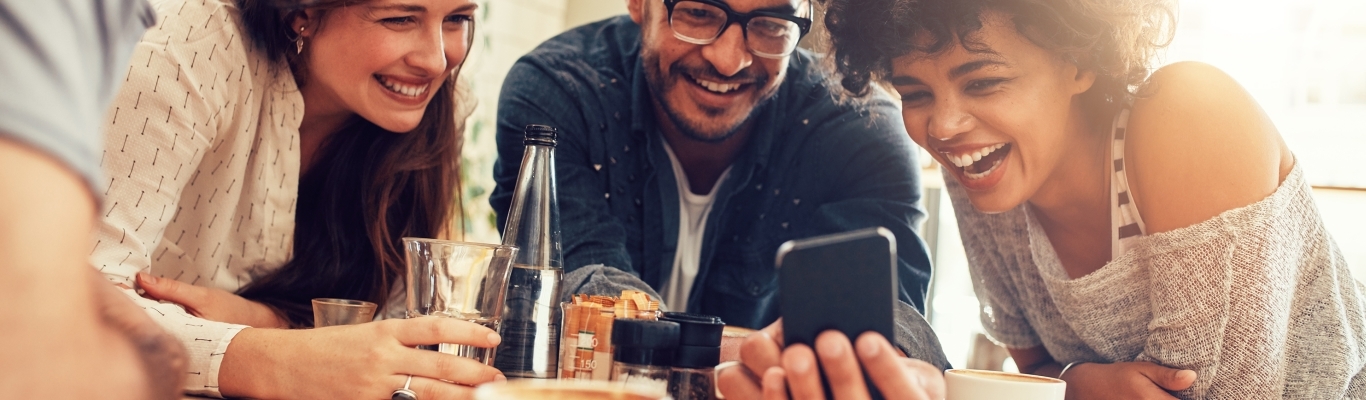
(368, 189)
(1116, 39)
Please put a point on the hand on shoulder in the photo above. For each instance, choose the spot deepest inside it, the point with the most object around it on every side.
(1198, 145)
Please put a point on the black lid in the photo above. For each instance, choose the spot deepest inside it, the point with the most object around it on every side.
(696, 329)
(643, 356)
(644, 334)
(543, 135)
(697, 356)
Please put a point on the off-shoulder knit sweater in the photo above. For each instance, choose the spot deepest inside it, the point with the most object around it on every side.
(1257, 300)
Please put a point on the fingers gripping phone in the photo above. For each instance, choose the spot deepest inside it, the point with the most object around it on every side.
(843, 281)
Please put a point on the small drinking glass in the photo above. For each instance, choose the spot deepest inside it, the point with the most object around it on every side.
(333, 312)
(460, 280)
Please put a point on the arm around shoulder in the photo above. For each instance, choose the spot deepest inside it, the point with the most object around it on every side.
(1198, 145)
(65, 336)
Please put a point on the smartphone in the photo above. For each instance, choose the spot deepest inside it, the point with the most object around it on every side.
(844, 281)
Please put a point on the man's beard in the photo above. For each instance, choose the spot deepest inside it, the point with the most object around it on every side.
(693, 128)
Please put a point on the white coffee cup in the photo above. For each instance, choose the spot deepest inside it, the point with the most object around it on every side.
(971, 384)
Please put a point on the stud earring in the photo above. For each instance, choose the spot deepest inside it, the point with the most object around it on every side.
(299, 41)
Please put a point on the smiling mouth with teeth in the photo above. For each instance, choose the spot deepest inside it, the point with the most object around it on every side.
(978, 164)
(718, 87)
(402, 88)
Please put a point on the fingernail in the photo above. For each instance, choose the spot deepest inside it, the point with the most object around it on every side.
(500, 378)
(868, 347)
(147, 278)
(800, 365)
(830, 348)
(494, 339)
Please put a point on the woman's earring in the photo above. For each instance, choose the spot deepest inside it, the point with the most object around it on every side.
(299, 41)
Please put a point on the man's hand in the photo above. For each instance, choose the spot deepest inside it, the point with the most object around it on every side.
(211, 304)
(1125, 380)
(767, 371)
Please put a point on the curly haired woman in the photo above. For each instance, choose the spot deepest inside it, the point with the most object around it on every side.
(1139, 236)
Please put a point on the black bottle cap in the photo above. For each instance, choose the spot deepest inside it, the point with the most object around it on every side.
(543, 135)
(644, 342)
(645, 334)
(697, 356)
(696, 329)
(641, 356)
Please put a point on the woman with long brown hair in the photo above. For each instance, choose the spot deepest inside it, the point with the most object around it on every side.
(263, 153)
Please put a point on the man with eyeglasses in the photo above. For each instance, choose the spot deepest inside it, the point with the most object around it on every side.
(695, 137)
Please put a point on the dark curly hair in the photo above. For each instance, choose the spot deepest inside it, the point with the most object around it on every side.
(1116, 39)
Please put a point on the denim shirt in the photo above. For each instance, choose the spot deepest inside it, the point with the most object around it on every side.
(813, 166)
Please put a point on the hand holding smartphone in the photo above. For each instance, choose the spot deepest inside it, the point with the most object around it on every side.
(844, 281)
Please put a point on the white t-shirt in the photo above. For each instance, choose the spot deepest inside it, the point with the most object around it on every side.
(692, 222)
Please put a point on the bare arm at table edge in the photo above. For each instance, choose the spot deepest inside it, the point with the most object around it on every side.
(67, 332)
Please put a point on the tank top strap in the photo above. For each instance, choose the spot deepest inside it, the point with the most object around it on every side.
(1126, 225)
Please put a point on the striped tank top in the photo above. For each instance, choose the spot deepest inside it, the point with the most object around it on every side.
(1126, 225)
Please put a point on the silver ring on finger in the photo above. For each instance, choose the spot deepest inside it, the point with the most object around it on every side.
(404, 393)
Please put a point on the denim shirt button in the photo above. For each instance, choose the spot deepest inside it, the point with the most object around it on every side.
(639, 203)
(754, 290)
(602, 126)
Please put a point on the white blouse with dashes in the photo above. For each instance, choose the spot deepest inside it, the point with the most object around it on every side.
(202, 159)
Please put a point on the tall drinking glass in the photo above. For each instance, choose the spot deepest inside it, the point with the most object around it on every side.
(461, 280)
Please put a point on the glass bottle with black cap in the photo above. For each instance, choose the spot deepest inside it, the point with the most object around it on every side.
(643, 353)
(531, 317)
(699, 351)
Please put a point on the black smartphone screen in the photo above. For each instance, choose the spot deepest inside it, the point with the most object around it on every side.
(844, 281)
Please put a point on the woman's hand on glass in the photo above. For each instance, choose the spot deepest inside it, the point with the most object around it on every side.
(364, 361)
(771, 372)
(1125, 380)
(210, 303)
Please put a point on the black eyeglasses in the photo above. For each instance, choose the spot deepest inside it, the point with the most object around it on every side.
(768, 34)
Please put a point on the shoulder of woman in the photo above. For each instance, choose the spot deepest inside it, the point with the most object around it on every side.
(1198, 145)
(188, 21)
